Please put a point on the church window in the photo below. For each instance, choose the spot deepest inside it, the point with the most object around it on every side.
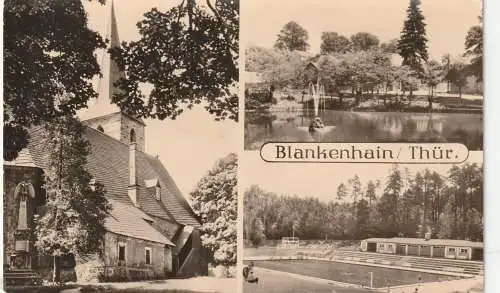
(100, 128)
(148, 255)
(132, 136)
(121, 252)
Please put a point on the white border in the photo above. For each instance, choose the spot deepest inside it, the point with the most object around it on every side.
(492, 143)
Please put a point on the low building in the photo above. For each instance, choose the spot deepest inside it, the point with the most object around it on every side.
(441, 248)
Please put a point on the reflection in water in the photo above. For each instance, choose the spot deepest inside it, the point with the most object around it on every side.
(264, 126)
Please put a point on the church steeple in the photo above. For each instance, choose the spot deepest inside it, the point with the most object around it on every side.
(101, 113)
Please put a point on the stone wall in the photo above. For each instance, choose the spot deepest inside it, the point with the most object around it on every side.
(127, 124)
(134, 267)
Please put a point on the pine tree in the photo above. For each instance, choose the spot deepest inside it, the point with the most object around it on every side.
(412, 44)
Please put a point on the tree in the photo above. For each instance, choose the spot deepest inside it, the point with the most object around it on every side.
(332, 42)
(445, 67)
(474, 48)
(355, 184)
(371, 192)
(72, 219)
(189, 55)
(292, 37)
(390, 47)
(215, 201)
(341, 191)
(257, 236)
(363, 41)
(457, 75)
(431, 77)
(412, 44)
(48, 65)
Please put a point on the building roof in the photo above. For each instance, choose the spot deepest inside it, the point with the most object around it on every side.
(128, 220)
(434, 242)
(108, 164)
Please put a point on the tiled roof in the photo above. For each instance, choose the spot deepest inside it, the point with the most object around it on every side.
(421, 241)
(128, 220)
(108, 163)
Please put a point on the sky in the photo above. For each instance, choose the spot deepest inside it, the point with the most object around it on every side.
(321, 180)
(190, 145)
(447, 20)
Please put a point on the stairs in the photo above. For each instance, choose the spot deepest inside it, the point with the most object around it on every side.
(21, 278)
(426, 263)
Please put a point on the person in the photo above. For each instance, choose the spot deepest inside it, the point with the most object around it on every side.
(248, 274)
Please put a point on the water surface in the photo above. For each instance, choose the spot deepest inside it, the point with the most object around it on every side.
(357, 127)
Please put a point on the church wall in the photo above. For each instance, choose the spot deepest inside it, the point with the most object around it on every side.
(167, 228)
(135, 266)
(127, 124)
(13, 175)
(110, 123)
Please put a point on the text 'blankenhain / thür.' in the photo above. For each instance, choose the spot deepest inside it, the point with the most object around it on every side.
(364, 152)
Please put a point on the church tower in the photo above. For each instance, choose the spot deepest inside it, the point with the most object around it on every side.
(102, 114)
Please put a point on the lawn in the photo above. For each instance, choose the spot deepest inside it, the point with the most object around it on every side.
(351, 273)
(278, 283)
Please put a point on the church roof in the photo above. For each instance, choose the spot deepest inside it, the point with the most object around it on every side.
(108, 164)
(130, 221)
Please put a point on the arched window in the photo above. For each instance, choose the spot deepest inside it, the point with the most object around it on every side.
(100, 128)
(132, 136)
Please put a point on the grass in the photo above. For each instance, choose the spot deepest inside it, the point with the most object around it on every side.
(351, 273)
(278, 283)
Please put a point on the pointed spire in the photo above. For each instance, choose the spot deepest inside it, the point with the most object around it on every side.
(114, 72)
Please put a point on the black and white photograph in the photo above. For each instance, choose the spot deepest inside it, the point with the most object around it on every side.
(363, 227)
(120, 146)
(363, 71)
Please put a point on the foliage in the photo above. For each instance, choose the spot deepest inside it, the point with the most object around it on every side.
(72, 219)
(449, 206)
(390, 47)
(363, 41)
(189, 54)
(333, 42)
(278, 68)
(412, 44)
(457, 74)
(474, 48)
(215, 201)
(48, 65)
(292, 37)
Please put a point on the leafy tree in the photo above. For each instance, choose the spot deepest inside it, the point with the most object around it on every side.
(333, 42)
(189, 55)
(363, 41)
(257, 236)
(412, 44)
(215, 201)
(474, 48)
(48, 65)
(292, 37)
(72, 219)
(445, 67)
(431, 77)
(390, 47)
(341, 191)
(457, 75)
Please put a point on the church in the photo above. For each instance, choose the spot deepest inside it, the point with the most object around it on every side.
(151, 232)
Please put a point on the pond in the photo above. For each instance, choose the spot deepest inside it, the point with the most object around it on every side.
(356, 127)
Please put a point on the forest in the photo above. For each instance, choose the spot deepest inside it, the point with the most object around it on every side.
(449, 206)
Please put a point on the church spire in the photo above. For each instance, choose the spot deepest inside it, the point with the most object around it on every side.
(114, 72)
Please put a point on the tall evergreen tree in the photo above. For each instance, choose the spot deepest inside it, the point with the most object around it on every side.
(412, 44)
